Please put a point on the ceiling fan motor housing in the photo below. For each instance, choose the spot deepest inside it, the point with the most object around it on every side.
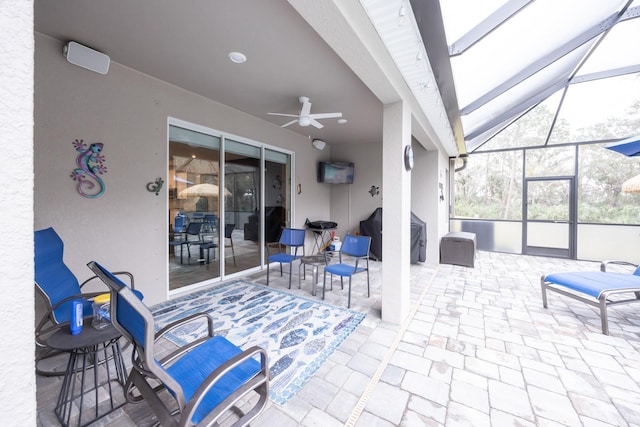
(305, 117)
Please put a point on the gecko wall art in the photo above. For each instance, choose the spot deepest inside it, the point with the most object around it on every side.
(89, 164)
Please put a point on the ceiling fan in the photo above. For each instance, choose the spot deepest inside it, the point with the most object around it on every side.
(305, 118)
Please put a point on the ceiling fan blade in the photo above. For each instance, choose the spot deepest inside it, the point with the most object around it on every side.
(325, 115)
(306, 108)
(290, 123)
(314, 122)
(282, 114)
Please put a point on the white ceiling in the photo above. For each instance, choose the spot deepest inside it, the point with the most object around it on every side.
(186, 43)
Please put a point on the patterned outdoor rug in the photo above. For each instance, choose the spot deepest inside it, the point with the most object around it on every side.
(299, 334)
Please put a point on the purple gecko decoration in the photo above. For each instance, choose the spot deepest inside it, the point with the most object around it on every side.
(90, 163)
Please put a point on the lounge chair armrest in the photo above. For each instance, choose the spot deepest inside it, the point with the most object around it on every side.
(117, 273)
(181, 350)
(605, 264)
(263, 376)
(183, 321)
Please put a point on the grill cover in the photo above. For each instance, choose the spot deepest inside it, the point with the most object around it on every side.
(372, 227)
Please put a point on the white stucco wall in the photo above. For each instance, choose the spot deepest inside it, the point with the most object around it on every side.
(352, 203)
(431, 170)
(126, 228)
(17, 386)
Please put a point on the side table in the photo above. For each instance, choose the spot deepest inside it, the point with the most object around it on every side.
(90, 350)
(314, 261)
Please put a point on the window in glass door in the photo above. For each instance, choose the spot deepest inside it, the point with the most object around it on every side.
(242, 206)
(277, 194)
(223, 205)
(194, 207)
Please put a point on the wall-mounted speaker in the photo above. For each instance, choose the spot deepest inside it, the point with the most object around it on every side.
(318, 144)
(86, 57)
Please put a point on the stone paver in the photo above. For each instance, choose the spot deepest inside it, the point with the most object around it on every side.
(480, 350)
(553, 406)
(388, 402)
(510, 399)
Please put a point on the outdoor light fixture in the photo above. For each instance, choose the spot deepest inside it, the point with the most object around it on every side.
(402, 15)
(318, 144)
(237, 57)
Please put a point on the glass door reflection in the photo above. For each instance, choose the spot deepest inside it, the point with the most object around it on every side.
(242, 206)
(220, 222)
(277, 197)
(194, 207)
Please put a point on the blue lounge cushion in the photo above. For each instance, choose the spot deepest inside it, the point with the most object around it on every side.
(192, 369)
(594, 283)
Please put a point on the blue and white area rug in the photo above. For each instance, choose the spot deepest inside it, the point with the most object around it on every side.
(299, 334)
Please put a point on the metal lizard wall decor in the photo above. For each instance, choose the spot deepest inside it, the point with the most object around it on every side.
(90, 163)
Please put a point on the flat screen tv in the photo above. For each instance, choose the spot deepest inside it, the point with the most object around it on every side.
(335, 172)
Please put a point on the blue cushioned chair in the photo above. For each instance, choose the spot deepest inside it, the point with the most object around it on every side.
(191, 236)
(180, 223)
(290, 241)
(206, 378)
(58, 287)
(356, 248)
(595, 287)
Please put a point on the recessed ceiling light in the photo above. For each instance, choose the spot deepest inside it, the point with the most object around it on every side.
(237, 57)
(342, 121)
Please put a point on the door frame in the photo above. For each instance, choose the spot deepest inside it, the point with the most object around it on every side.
(570, 252)
(263, 147)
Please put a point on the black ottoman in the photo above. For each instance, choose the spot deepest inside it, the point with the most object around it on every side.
(458, 248)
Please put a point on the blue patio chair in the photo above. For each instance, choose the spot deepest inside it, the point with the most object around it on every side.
(228, 234)
(357, 249)
(190, 237)
(180, 223)
(290, 241)
(58, 287)
(205, 378)
(210, 223)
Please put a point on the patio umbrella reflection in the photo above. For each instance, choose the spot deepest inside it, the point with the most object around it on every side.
(632, 185)
(202, 190)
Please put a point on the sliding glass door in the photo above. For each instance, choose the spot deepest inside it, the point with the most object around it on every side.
(242, 212)
(194, 206)
(277, 197)
(219, 223)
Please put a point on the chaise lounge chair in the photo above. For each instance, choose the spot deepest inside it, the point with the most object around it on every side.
(595, 287)
(58, 287)
(196, 384)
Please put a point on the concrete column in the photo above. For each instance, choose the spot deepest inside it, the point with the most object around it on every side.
(396, 208)
(17, 312)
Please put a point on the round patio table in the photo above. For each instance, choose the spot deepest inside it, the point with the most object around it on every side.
(90, 350)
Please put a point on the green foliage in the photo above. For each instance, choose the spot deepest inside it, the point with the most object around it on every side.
(491, 187)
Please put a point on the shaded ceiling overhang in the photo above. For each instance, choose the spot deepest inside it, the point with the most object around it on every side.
(429, 19)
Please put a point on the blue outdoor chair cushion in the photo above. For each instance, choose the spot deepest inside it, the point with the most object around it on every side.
(283, 257)
(191, 371)
(594, 283)
(344, 269)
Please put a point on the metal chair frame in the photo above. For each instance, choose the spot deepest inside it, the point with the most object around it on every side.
(357, 248)
(291, 240)
(206, 378)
